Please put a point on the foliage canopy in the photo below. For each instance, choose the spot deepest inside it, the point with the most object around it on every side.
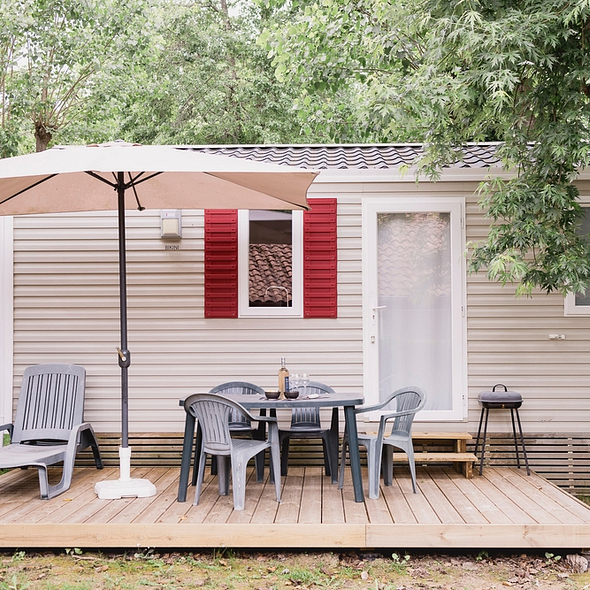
(438, 72)
(450, 72)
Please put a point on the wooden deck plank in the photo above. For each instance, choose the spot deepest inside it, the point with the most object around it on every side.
(254, 490)
(86, 504)
(397, 503)
(132, 511)
(490, 512)
(467, 510)
(419, 504)
(288, 511)
(106, 510)
(484, 536)
(370, 511)
(25, 494)
(551, 497)
(488, 507)
(352, 512)
(209, 497)
(17, 477)
(533, 488)
(178, 512)
(445, 511)
(267, 507)
(504, 503)
(222, 507)
(528, 504)
(21, 491)
(166, 497)
(312, 496)
(569, 502)
(71, 500)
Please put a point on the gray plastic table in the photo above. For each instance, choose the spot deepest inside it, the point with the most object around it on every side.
(347, 401)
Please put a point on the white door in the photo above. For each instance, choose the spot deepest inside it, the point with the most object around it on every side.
(413, 301)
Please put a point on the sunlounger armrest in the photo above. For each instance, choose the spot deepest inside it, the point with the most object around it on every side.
(8, 427)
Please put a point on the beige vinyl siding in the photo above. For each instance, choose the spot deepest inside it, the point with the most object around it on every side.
(67, 310)
(508, 342)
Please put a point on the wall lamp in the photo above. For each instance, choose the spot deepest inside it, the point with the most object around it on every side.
(171, 224)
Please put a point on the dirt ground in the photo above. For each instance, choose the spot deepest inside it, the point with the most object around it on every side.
(74, 569)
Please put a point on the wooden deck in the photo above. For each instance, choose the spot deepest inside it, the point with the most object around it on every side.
(501, 509)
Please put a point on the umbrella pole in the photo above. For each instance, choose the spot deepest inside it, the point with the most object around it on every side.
(124, 486)
(124, 354)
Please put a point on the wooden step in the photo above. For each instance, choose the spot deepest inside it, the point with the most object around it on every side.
(441, 435)
(462, 462)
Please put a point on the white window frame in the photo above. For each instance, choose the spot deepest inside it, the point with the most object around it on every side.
(455, 206)
(570, 309)
(244, 309)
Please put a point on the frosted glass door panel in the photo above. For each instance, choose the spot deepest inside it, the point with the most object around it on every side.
(415, 304)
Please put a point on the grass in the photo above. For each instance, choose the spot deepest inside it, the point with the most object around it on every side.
(74, 569)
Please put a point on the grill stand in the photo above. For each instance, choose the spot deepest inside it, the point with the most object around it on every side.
(493, 400)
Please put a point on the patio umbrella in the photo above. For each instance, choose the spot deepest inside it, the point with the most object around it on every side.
(120, 176)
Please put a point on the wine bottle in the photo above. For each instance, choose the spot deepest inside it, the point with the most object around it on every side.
(283, 378)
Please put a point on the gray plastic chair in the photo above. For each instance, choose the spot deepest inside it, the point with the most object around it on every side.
(49, 425)
(214, 415)
(241, 425)
(407, 402)
(306, 423)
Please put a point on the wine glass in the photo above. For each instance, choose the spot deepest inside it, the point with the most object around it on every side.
(295, 381)
(305, 382)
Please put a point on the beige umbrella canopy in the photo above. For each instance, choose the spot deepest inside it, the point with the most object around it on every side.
(84, 178)
(119, 176)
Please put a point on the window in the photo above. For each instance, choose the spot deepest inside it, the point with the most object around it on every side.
(234, 238)
(579, 303)
(270, 271)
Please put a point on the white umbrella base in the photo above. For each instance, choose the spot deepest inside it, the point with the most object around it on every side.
(124, 487)
(115, 489)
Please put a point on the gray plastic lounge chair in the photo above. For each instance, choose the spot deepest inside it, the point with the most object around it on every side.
(49, 426)
(214, 415)
(306, 423)
(406, 402)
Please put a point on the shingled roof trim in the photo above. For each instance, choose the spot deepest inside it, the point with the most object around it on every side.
(345, 157)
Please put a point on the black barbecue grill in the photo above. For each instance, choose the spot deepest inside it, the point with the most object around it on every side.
(499, 400)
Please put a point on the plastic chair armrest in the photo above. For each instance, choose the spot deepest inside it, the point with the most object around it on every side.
(75, 437)
(363, 409)
(391, 415)
(9, 427)
(263, 418)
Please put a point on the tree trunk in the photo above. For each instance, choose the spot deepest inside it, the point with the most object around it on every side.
(42, 136)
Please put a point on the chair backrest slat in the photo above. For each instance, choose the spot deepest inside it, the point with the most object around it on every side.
(406, 401)
(237, 420)
(303, 417)
(51, 402)
(213, 415)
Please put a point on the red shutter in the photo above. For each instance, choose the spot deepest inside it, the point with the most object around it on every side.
(320, 279)
(221, 263)
(320, 298)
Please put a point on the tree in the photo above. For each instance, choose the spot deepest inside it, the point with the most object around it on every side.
(10, 32)
(448, 72)
(60, 51)
(207, 81)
